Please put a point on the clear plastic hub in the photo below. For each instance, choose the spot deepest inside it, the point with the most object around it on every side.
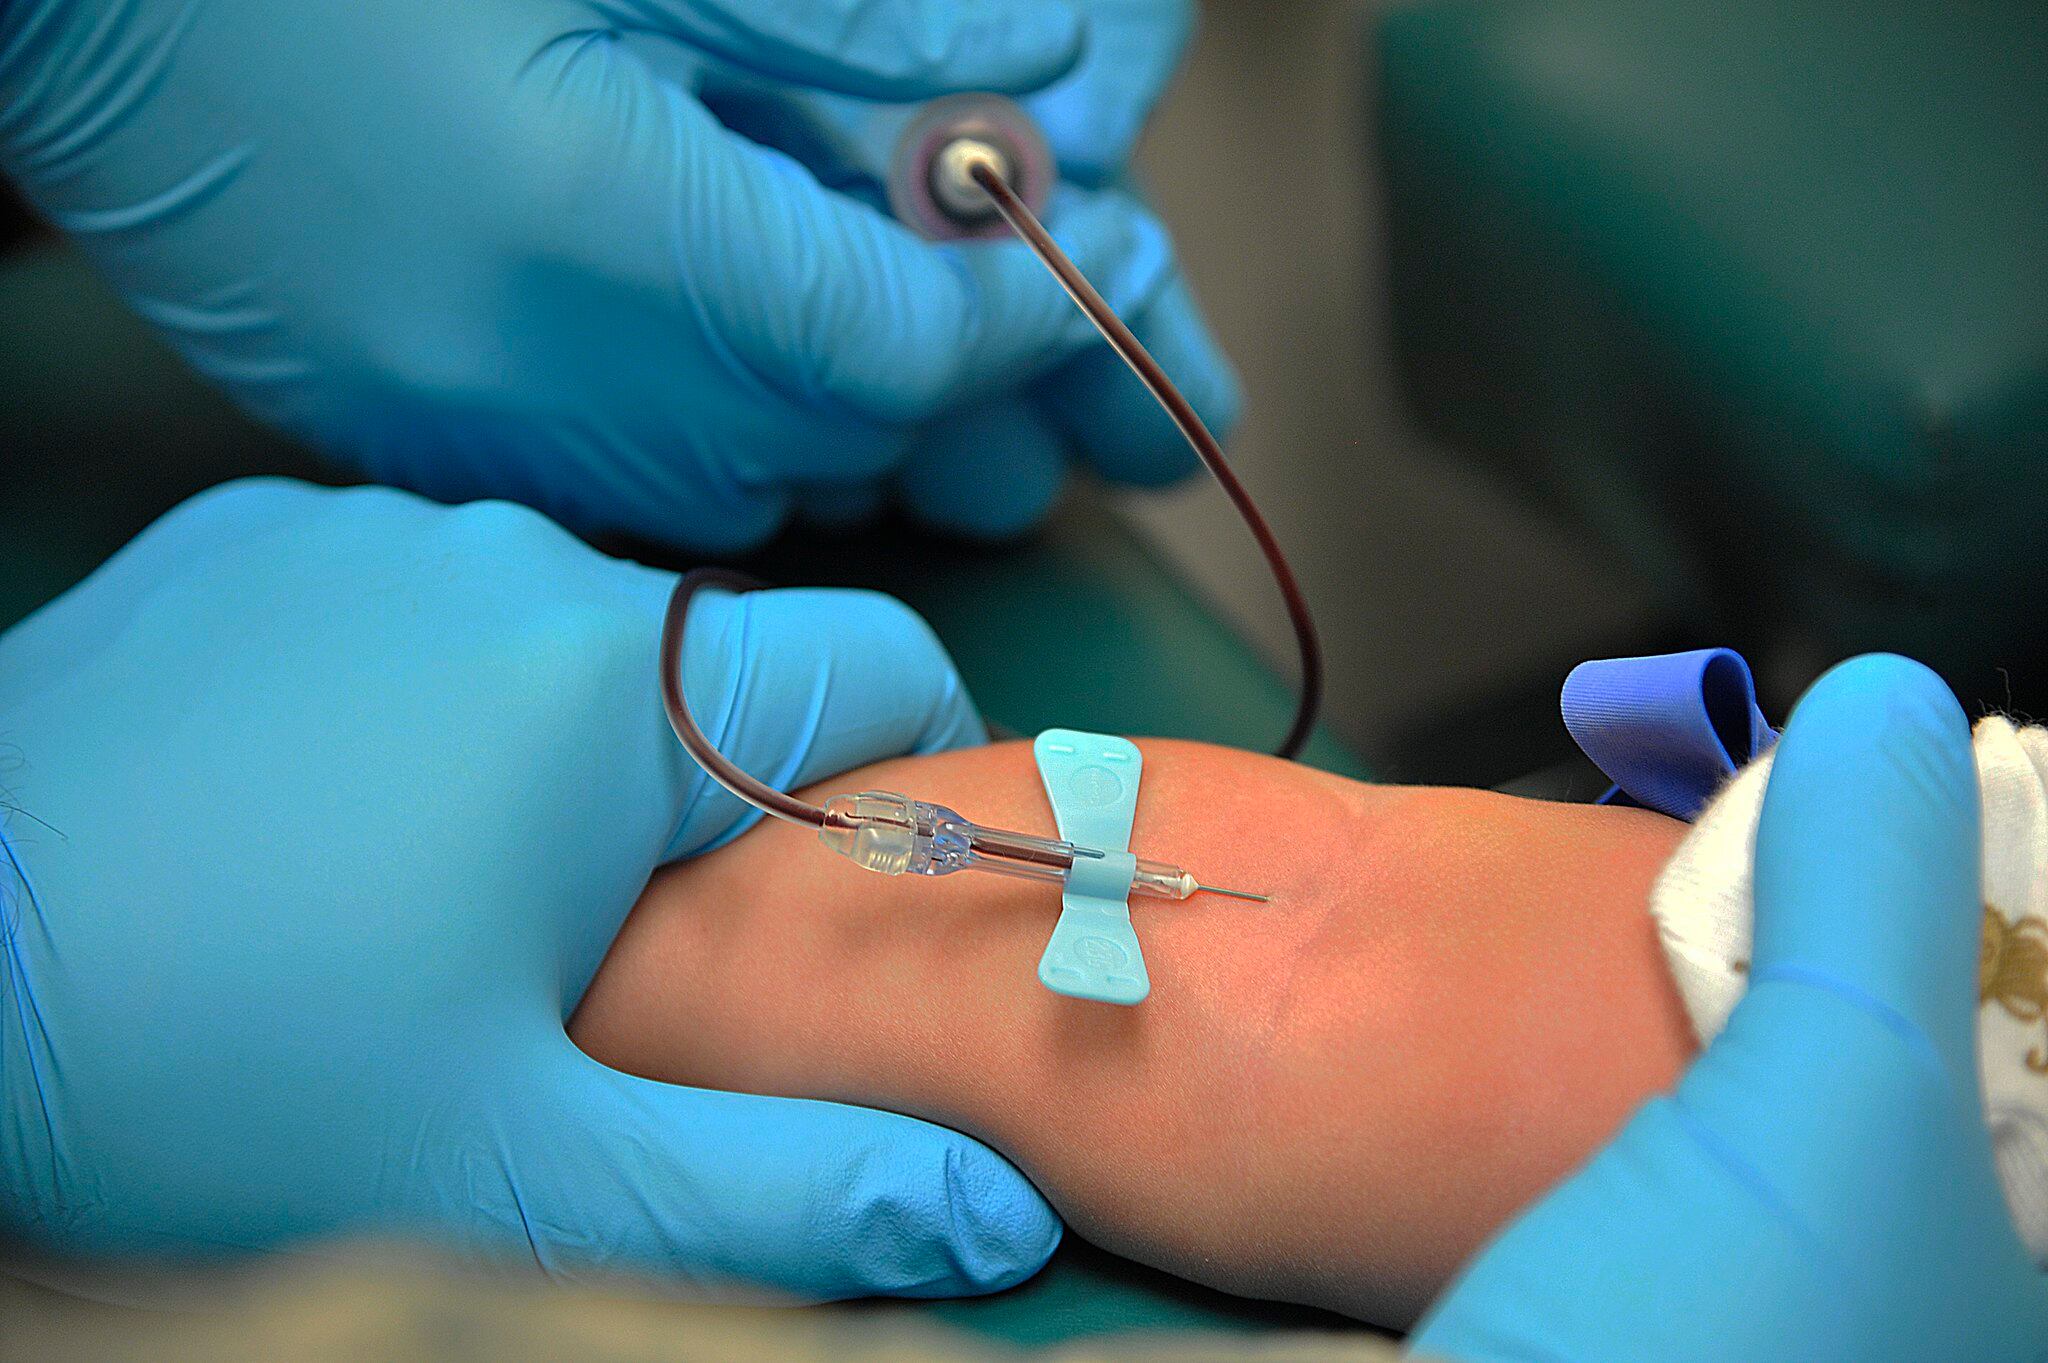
(953, 186)
(931, 190)
(896, 835)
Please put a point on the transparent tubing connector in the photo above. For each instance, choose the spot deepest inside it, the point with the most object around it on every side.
(897, 835)
(931, 185)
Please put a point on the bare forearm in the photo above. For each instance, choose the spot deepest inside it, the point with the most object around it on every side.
(1452, 998)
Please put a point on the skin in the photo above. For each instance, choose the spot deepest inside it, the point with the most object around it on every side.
(1335, 1098)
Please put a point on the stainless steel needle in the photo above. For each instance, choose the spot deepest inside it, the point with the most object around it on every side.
(1235, 894)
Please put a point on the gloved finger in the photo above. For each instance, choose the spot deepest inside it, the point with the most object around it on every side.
(1117, 426)
(1625, 1259)
(1868, 850)
(989, 471)
(801, 684)
(604, 1171)
(1850, 1062)
(819, 308)
(1092, 117)
(834, 327)
(1830, 1143)
(1833, 1241)
(849, 308)
(1826, 1108)
(896, 50)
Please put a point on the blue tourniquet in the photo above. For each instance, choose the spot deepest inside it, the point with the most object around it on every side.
(1668, 730)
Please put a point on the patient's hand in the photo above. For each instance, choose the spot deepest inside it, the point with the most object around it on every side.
(1453, 998)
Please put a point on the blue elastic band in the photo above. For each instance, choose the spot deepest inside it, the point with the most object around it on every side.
(1668, 730)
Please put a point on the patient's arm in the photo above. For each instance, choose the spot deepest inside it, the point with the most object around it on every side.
(1452, 999)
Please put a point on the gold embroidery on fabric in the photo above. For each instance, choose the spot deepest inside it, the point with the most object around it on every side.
(2012, 972)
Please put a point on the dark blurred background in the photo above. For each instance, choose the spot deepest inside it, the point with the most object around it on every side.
(1451, 607)
(1581, 327)
(1584, 326)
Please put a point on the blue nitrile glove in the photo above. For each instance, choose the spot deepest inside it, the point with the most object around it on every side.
(1820, 1185)
(1091, 405)
(508, 248)
(992, 467)
(327, 806)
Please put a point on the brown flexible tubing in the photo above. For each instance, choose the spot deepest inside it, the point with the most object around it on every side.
(1026, 225)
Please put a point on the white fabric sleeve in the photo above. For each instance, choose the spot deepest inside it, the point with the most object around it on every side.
(1704, 906)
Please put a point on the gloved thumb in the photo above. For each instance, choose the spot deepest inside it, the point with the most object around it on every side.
(1868, 854)
(895, 50)
(800, 684)
(1844, 1092)
(1820, 1185)
(600, 1171)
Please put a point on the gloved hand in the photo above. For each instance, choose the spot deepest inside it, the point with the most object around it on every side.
(1820, 1185)
(992, 467)
(1018, 443)
(509, 249)
(325, 808)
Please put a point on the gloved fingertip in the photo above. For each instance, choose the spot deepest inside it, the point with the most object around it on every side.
(1002, 1231)
(921, 668)
(990, 319)
(1868, 849)
(1218, 390)
(1899, 689)
(1012, 47)
(891, 676)
(905, 52)
(1119, 428)
(988, 472)
(893, 51)
(1116, 240)
(1888, 720)
(1004, 516)
(1093, 120)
